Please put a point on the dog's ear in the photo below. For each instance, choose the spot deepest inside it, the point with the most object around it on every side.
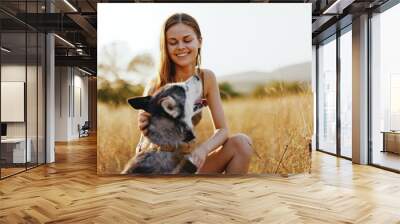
(140, 103)
(169, 105)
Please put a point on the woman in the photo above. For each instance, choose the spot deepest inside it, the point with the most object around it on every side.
(180, 46)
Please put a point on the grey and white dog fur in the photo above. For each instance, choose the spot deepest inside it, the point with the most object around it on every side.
(170, 125)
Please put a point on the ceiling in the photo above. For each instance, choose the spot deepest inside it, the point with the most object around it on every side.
(75, 22)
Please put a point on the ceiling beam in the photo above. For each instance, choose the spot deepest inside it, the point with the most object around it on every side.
(82, 61)
(84, 24)
(320, 22)
(337, 6)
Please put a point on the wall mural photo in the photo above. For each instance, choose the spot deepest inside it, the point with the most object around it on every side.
(204, 88)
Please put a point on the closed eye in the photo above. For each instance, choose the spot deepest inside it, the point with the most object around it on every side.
(172, 43)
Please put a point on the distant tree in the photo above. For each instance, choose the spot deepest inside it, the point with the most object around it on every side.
(145, 60)
(227, 91)
(110, 56)
(118, 91)
(104, 92)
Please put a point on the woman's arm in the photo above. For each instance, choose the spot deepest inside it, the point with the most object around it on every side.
(217, 112)
(220, 128)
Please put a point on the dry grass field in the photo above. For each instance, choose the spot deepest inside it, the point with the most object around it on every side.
(280, 127)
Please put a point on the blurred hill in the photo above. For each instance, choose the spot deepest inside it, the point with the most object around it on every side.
(245, 82)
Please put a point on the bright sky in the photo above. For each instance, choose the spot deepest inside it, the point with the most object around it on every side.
(236, 37)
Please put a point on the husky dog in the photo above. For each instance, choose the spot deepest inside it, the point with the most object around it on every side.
(170, 125)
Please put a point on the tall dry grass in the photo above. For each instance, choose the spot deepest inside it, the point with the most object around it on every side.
(280, 127)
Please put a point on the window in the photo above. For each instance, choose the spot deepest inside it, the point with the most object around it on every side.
(22, 66)
(394, 102)
(346, 94)
(327, 97)
(385, 89)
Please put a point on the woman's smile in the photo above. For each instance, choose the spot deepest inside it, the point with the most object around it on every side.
(182, 54)
(184, 58)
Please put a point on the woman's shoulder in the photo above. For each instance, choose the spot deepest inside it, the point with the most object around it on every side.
(208, 75)
(210, 81)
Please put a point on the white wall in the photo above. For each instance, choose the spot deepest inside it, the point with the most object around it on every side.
(33, 126)
(62, 81)
(16, 73)
(71, 94)
(80, 82)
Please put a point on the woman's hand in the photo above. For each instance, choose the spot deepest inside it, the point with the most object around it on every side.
(199, 156)
(143, 122)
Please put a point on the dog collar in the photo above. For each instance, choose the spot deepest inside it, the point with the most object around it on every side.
(198, 104)
(183, 148)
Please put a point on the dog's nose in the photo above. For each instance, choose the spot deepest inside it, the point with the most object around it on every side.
(189, 136)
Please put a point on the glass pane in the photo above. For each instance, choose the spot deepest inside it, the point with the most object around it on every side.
(13, 86)
(394, 101)
(41, 98)
(346, 94)
(327, 97)
(31, 98)
(386, 89)
(23, 82)
(32, 86)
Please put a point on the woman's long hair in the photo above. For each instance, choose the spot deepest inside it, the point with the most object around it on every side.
(167, 68)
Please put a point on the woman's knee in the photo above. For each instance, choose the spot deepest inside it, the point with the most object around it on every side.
(242, 144)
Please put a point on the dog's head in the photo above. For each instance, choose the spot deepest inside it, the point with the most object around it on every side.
(171, 109)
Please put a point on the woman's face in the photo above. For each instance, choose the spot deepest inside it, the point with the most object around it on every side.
(182, 44)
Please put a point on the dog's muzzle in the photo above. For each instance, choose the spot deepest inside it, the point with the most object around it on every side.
(189, 136)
